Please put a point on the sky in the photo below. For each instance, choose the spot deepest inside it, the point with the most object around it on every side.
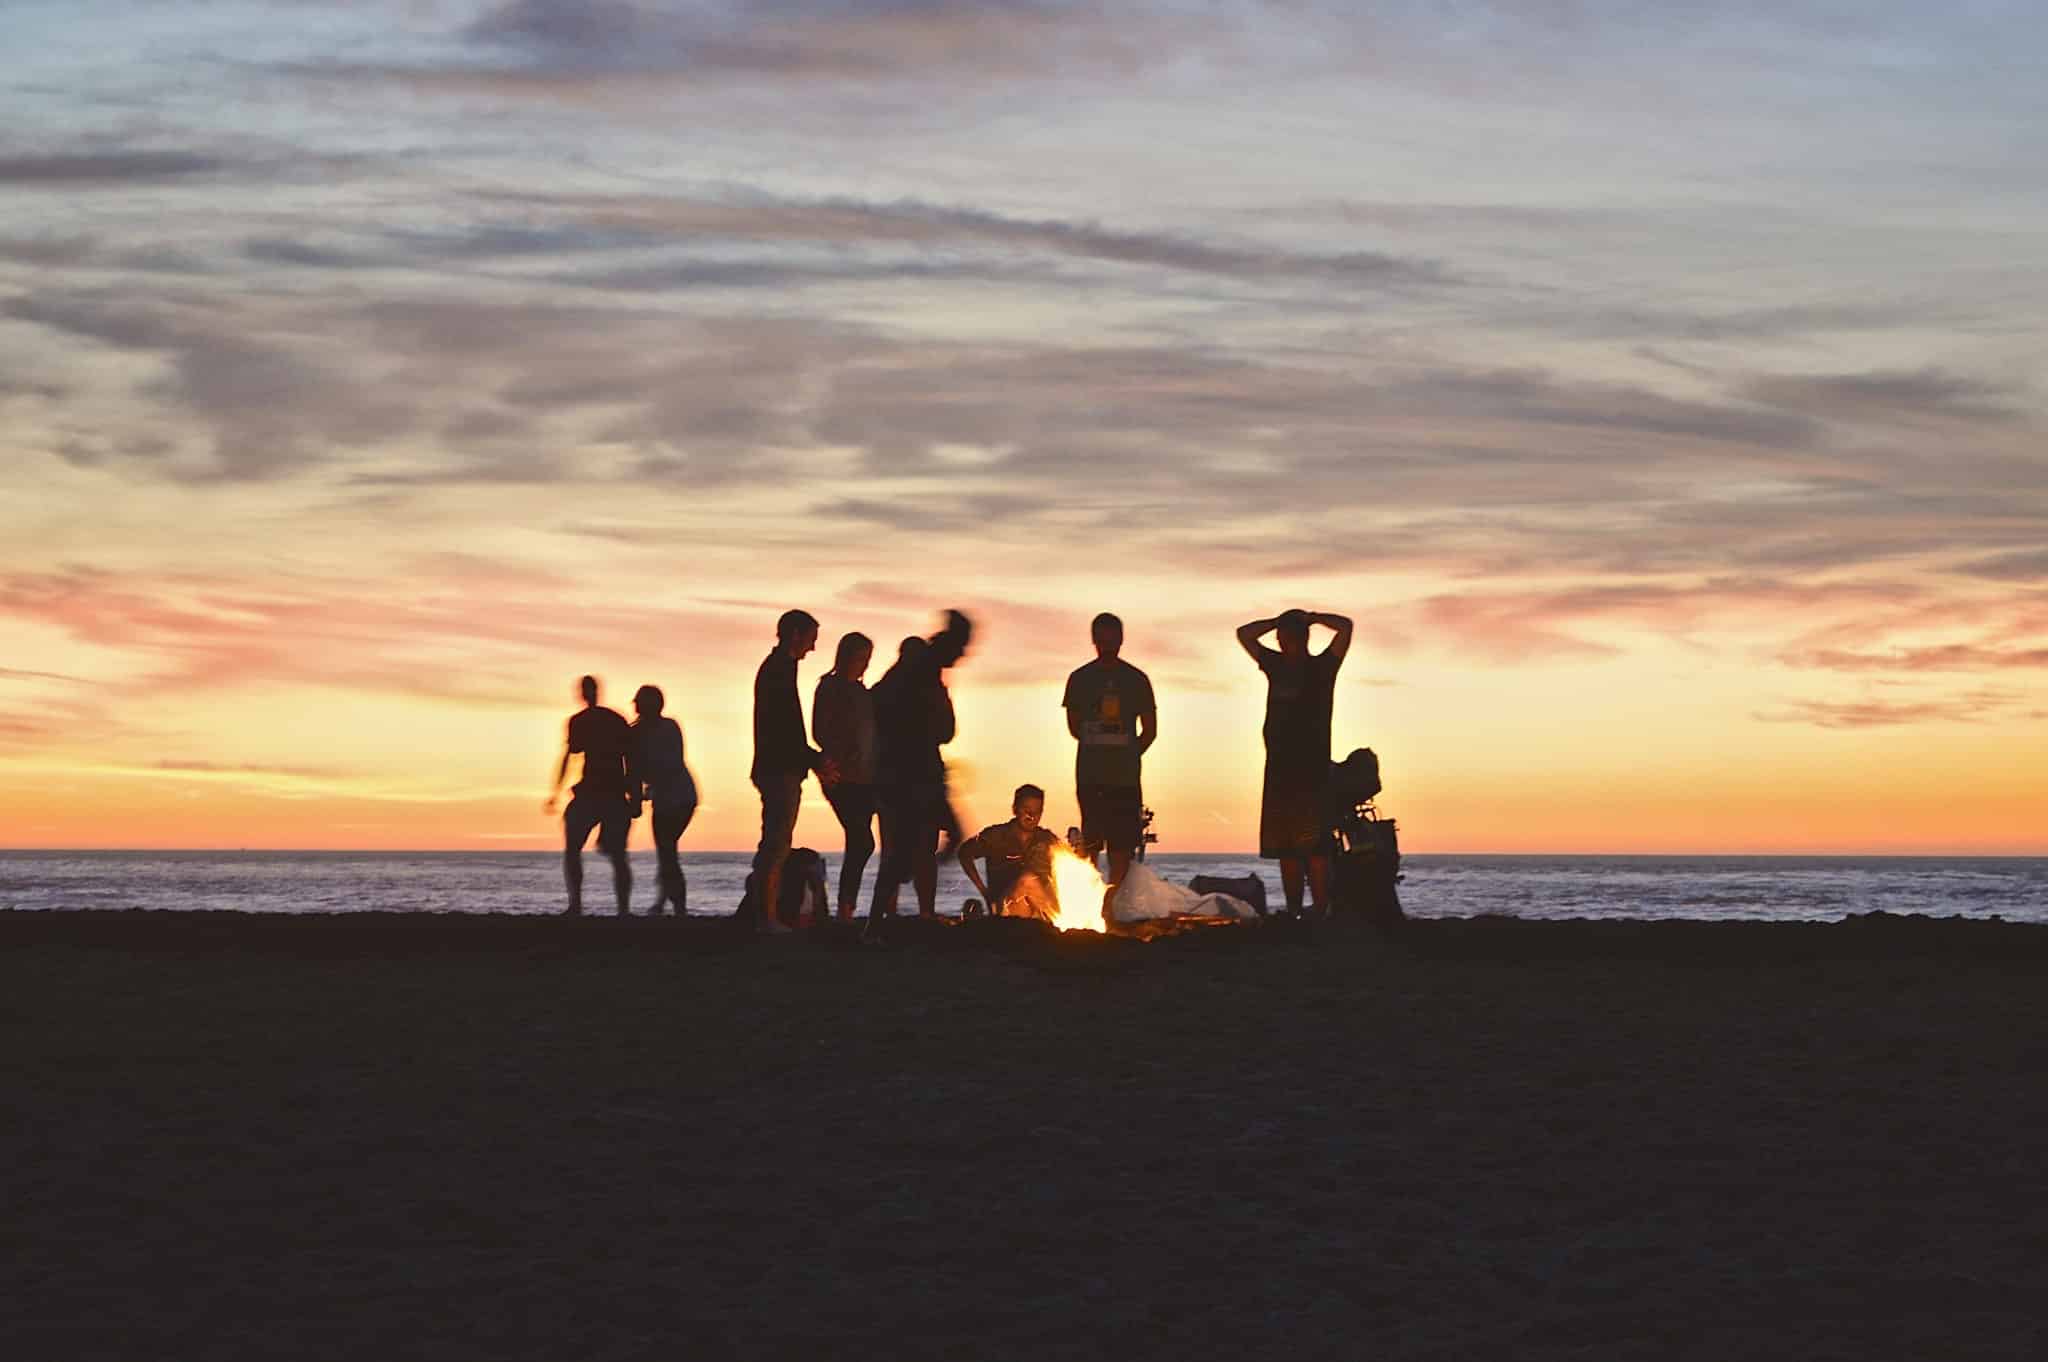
(1657, 385)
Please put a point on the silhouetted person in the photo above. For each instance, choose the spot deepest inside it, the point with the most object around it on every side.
(783, 756)
(843, 718)
(913, 719)
(1019, 857)
(1112, 717)
(602, 798)
(1295, 816)
(671, 792)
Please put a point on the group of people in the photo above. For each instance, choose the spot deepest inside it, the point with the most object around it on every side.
(878, 759)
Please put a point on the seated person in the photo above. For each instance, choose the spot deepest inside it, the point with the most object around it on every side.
(1019, 856)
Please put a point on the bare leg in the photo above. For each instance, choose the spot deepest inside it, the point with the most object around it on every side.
(1119, 871)
(622, 881)
(925, 877)
(1290, 882)
(572, 875)
(1319, 884)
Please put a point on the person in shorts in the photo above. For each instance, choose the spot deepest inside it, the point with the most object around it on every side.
(602, 798)
(1019, 858)
(783, 759)
(1111, 714)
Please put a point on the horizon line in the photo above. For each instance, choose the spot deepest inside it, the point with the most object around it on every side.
(2041, 854)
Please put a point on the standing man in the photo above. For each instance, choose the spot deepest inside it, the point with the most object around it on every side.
(601, 798)
(1111, 715)
(783, 756)
(1294, 813)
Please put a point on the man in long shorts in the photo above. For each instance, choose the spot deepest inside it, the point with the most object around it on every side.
(1294, 813)
(783, 758)
(1113, 719)
(601, 799)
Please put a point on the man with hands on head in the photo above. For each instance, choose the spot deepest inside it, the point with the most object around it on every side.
(1294, 814)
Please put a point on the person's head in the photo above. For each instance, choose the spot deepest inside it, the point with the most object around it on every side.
(1108, 633)
(587, 688)
(951, 642)
(851, 658)
(647, 702)
(1291, 632)
(796, 633)
(910, 648)
(1029, 806)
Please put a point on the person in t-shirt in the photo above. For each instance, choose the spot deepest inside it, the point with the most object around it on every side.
(602, 798)
(843, 720)
(660, 770)
(1112, 717)
(1019, 856)
(783, 757)
(1295, 818)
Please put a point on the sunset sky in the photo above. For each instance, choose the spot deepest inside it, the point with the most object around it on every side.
(1659, 386)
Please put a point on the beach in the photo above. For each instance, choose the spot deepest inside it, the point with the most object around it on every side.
(423, 1136)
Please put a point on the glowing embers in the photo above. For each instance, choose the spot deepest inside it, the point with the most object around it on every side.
(1079, 888)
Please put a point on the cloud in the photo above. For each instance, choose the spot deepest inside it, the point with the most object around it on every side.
(553, 41)
(2025, 565)
(1968, 708)
(1891, 394)
(840, 222)
(455, 631)
(22, 674)
(106, 169)
(1943, 657)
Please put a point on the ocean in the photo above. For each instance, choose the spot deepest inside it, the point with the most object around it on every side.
(1777, 888)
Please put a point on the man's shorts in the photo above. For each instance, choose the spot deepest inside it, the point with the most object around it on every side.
(1112, 816)
(610, 815)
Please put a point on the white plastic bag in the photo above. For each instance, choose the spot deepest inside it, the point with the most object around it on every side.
(1144, 897)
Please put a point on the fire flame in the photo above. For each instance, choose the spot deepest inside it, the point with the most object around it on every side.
(1080, 889)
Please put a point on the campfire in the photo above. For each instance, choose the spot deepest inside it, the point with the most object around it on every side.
(1080, 889)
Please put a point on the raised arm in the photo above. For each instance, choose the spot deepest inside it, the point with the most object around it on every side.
(1340, 645)
(1248, 636)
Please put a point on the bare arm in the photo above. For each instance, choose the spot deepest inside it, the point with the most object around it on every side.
(969, 851)
(1248, 636)
(555, 790)
(1074, 724)
(1148, 730)
(1340, 645)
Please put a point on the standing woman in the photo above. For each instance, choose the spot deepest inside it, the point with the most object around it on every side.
(1294, 814)
(658, 764)
(843, 722)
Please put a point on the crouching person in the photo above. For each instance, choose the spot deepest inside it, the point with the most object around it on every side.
(1019, 858)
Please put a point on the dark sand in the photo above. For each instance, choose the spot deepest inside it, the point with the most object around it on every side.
(380, 1138)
